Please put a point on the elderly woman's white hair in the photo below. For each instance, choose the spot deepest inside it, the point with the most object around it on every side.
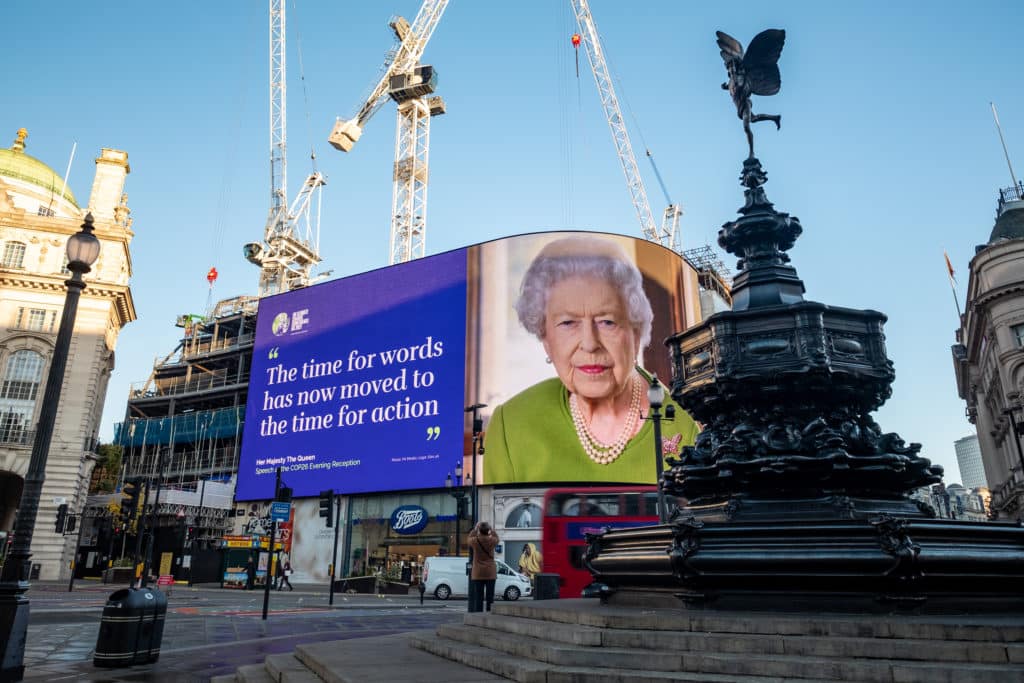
(583, 256)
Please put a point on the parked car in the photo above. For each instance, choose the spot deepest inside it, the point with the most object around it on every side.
(447, 576)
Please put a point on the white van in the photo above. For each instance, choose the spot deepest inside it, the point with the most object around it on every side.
(446, 576)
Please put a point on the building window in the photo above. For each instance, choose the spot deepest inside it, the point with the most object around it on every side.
(1018, 334)
(46, 211)
(14, 255)
(36, 319)
(18, 395)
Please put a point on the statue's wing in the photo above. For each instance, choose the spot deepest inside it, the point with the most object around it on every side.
(730, 47)
(761, 62)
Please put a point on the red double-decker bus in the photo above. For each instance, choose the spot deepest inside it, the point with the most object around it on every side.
(569, 513)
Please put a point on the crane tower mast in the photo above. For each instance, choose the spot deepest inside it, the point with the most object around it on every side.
(290, 247)
(408, 83)
(667, 234)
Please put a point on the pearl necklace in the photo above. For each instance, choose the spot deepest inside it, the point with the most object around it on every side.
(604, 454)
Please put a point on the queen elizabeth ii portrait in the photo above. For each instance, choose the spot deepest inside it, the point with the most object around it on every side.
(583, 299)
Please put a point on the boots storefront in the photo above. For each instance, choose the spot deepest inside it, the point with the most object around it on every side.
(394, 534)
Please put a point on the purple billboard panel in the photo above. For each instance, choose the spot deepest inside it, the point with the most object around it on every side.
(358, 385)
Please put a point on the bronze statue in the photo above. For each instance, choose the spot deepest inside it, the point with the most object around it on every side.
(753, 73)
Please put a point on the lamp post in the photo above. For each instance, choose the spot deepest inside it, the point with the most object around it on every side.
(477, 449)
(458, 492)
(82, 249)
(656, 397)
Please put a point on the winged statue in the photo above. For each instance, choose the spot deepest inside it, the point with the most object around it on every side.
(754, 72)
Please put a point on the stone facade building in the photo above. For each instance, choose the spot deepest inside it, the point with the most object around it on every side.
(989, 354)
(38, 213)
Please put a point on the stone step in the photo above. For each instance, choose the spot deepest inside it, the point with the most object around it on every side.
(226, 678)
(287, 668)
(589, 613)
(254, 673)
(806, 666)
(525, 671)
(390, 659)
(745, 643)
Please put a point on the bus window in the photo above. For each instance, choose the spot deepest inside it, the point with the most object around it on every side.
(570, 514)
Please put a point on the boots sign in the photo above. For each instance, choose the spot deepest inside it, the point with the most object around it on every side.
(408, 519)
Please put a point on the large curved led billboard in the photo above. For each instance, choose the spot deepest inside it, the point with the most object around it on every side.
(361, 384)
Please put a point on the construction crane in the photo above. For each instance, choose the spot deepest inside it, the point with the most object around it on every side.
(668, 234)
(408, 83)
(291, 240)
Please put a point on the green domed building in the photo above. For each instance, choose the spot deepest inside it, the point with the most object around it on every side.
(38, 213)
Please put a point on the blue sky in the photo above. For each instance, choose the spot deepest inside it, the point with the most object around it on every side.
(888, 153)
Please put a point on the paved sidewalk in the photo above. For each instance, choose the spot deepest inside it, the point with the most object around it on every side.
(211, 631)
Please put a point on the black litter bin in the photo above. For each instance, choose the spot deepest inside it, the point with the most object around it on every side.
(545, 586)
(131, 628)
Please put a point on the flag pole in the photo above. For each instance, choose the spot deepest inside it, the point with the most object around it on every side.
(952, 285)
(999, 128)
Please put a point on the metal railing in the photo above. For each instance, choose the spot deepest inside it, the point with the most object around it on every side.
(209, 346)
(176, 387)
(1014, 193)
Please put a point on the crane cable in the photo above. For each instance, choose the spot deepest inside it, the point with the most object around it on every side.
(636, 123)
(565, 117)
(305, 93)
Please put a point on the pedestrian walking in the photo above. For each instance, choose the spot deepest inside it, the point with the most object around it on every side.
(250, 574)
(284, 576)
(484, 572)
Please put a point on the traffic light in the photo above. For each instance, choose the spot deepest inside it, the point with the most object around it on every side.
(70, 526)
(327, 506)
(62, 514)
(129, 500)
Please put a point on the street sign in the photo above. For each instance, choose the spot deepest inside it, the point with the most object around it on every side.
(280, 511)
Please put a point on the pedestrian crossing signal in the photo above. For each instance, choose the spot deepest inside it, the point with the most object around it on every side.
(327, 506)
(62, 514)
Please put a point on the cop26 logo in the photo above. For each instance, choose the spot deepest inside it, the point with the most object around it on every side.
(408, 519)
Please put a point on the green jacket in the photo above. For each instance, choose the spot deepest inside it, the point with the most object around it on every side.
(531, 438)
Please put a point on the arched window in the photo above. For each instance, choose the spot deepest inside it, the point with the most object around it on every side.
(18, 394)
(14, 255)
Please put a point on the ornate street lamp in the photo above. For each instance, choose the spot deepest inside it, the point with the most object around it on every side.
(82, 249)
(656, 397)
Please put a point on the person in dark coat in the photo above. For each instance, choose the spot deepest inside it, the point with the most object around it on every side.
(250, 574)
(287, 572)
(484, 572)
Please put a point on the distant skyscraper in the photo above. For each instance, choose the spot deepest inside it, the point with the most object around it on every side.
(968, 457)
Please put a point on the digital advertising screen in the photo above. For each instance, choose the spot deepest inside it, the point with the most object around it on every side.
(361, 384)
